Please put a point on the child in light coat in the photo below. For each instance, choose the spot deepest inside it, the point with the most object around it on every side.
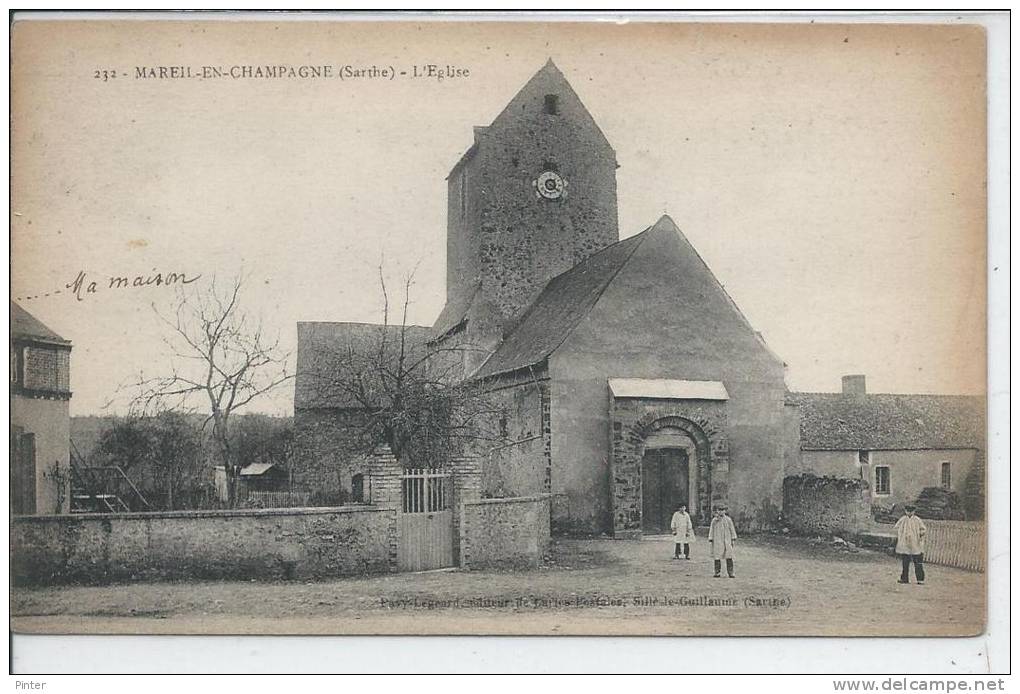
(683, 532)
(910, 532)
(722, 534)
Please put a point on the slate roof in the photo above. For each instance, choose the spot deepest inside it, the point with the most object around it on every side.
(837, 421)
(454, 313)
(566, 299)
(25, 325)
(324, 351)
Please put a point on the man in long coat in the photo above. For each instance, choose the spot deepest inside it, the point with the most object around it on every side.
(910, 532)
(683, 532)
(722, 534)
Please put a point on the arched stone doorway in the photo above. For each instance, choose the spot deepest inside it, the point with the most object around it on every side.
(685, 455)
(680, 453)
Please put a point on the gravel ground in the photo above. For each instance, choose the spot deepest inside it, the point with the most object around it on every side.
(784, 586)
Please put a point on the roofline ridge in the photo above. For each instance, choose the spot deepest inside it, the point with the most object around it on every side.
(548, 66)
(581, 264)
(899, 395)
(733, 304)
(594, 303)
(371, 325)
(597, 253)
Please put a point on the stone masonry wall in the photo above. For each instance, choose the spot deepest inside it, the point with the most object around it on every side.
(501, 233)
(517, 465)
(526, 240)
(329, 450)
(633, 420)
(268, 544)
(504, 533)
(826, 505)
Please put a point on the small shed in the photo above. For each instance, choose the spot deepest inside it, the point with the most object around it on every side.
(263, 477)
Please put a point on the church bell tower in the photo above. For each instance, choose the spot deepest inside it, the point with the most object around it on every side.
(533, 196)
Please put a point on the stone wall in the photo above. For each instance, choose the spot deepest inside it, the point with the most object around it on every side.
(518, 464)
(504, 533)
(500, 233)
(634, 420)
(664, 316)
(329, 449)
(844, 464)
(269, 544)
(826, 505)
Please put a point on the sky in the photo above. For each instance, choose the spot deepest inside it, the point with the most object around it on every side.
(833, 177)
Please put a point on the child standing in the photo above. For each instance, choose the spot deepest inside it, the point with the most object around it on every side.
(683, 532)
(722, 534)
(910, 532)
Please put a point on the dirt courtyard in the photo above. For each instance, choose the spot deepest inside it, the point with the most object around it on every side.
(784, 586)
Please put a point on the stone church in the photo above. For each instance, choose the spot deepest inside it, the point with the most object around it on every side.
(630, 380)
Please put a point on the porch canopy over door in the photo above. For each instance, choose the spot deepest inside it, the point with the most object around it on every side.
(667, 389)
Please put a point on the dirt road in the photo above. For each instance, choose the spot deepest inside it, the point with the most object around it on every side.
(783, 586)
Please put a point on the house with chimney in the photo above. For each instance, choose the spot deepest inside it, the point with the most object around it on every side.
(899, 444)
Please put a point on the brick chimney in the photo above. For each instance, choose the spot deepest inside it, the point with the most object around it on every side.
(853, 384)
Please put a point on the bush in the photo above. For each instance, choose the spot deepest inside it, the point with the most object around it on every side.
(939, 504)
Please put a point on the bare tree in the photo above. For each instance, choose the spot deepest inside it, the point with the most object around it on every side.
(176, 456)
(410, 392)
(219, 354)
(161, 455)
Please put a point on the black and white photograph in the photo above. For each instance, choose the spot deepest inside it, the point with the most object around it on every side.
(421, 327)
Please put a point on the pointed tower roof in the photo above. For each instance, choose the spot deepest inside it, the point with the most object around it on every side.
(549, 78)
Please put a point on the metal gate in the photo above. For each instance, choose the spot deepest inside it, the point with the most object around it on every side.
(426, 521)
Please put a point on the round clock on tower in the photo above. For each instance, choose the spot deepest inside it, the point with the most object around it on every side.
(550, 186)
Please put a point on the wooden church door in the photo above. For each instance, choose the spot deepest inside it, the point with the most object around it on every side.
(665, 476)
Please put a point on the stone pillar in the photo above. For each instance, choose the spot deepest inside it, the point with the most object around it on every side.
(545, 401)
(383, 472)
(719, 491)
(466, 472)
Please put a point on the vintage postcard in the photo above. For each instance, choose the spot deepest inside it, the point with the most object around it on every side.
(333, 325)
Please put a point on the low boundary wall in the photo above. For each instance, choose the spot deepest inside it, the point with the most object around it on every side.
(826, 505)
(504, 533)
(236, 544)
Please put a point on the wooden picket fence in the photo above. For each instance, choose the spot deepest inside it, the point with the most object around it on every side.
(956, 543)
(279, 499)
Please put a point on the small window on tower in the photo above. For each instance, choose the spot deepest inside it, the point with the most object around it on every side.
(552, 104)
(947, 476)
